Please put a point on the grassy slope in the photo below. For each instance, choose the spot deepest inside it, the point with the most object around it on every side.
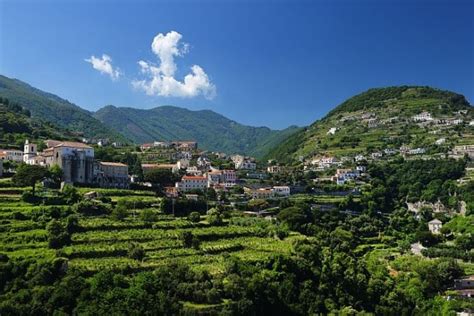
(354, 136)
(212, 131)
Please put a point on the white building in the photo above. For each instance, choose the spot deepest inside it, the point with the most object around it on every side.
(11, 155)
(435, 226)
(332, 131)
(282, 190)
(422, 117)
(189, 183)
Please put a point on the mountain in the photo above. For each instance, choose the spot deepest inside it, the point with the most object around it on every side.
(51, 108)
(17, 125)
(380, 119)
(211, 130)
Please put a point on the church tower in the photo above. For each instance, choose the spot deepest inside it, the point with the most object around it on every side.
(29, 151)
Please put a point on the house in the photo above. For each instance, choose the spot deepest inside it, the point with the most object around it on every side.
(171, 192)
(185, 145)
(464, 283)
(11, 155)
(203, 162)
(464, 150)
(148, 167)
(344, 175)
(189, 183)
(274, 169)
(376, 155)
(440, 141)
(359, 158)
(361, 169)
(471, 123)
(161, 144)
(147, 146)
(416, 151)
(422, 117)
(367, 115)
(390, 151)
(193, 171)
(112, 175)
(221, 178)
(372, 122)
(192, 197)
(74, 158)
(435, 226)
(332, 131)
(229, 176)
(243, 163)
(259, 193)
(282, 190)
(326, 162)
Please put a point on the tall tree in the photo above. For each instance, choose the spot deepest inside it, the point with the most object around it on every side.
(28, 175)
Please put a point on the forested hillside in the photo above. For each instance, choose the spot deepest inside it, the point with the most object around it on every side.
(211, 130)
(51, 108)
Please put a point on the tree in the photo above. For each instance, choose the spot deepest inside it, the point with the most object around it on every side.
(293, 216)
(148, 216)
(194, 217)
(70, 194)
(56, 174)
(162, 177)
(57, 235)
(189, 240)
(119, 213)
(136, 251)
(28, 175)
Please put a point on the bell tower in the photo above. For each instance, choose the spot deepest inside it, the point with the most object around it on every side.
(30, 150)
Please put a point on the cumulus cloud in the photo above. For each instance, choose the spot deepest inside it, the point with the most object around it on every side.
(160, 79)
(104, 66)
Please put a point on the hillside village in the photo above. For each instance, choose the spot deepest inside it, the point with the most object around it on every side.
(390, 188)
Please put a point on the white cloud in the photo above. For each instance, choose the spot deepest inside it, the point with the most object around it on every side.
(104, 66)
(161, 80)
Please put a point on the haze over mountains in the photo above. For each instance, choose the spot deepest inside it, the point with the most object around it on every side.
(211, 130)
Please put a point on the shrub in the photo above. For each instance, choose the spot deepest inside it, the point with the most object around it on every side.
(91, 208)
(57, 235)
(148, 216)
(194, 217)
(136, 251)
(119, 213)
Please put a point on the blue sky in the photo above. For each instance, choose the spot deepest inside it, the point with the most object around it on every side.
(271, 63)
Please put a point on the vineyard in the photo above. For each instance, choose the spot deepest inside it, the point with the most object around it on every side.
(101, 242)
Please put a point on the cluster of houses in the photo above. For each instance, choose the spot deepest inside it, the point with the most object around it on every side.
(344, 175)
(176, 144)
(76, 160)
(243, 163)
(267, 192)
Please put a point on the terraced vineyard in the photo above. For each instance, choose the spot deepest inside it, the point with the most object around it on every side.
(102, 242)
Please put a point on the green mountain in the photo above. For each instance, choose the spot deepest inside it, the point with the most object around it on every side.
(51, 108)
(211, 130)
(17, 125)
(380, 119)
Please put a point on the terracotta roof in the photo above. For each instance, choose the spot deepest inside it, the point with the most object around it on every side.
(157, 166)
(60, 143)
(117, 164)
(194, 178)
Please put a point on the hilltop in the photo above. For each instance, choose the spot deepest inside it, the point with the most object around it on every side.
(211, 130)
(384, 119)
(17, 125)
(51, 108)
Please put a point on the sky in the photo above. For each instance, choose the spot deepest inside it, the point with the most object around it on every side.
(261, 63)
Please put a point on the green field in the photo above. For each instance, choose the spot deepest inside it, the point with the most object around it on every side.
(102, 242)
